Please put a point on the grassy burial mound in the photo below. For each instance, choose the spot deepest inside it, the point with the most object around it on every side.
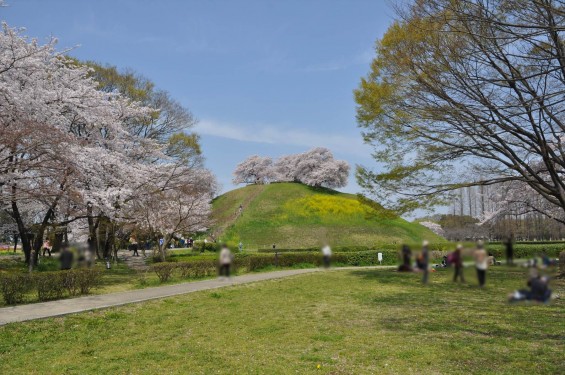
(293, 215)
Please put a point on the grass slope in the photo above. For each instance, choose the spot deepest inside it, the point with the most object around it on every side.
(297, 216)
(348, 322)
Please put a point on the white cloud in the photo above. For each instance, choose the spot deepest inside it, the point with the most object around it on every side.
(278, 135)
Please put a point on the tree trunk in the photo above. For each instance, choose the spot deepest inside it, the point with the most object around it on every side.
(93, 232)
(26, 246)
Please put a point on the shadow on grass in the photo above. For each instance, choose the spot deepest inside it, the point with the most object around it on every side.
(462, 310)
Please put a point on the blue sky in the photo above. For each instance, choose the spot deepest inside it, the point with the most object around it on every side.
(262, 77)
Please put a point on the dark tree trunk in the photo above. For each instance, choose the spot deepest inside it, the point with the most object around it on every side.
(58, 241)
(26, 246)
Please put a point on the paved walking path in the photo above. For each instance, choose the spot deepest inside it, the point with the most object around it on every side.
(137, 263)
(74, 305)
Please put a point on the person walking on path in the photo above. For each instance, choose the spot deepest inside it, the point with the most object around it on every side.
(47, 247)
(135, 247)
(481, 263)
(226, 259)
(425, 261)
(509, 244)
(457, 260)
(327, 255)
(146, 249)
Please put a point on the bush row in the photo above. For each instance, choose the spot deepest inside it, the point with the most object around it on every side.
(526, 251)
(48, 285)
(196, 268)
(497, 249)
(253, 262)
(209, 246)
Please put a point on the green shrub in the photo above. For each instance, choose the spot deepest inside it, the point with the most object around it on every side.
(49, 285)
(209, 246)
(71, 282)
(80, 281)
(164, 270)
(526, 250)
(14, 287)
(197, 268)
(88, 278)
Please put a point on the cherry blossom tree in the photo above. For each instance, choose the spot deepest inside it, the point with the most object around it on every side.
(316, 167)
(254, 170)
(177, 207)
(434, 227)
(71, 153)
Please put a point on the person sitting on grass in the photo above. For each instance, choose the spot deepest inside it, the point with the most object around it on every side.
(547, 261)
(406, 259)
(539, 290)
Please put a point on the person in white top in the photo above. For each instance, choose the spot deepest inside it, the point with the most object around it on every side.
(226, 258)
(481, 263)
(327, 254)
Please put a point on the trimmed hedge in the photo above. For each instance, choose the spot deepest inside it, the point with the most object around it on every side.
(526, 251)
(209, 246)
(254, 262)
(48, 285)
(14, 287)
(197, 268)
(497, 249)
(360, 248)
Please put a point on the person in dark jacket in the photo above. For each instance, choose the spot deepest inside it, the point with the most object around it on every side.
(425, 262)
(406, 265)
(66, 258)
(509, 245)
(539, 290)
(457, 261)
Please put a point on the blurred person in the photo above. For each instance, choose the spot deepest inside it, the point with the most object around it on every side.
(481, 263)
(425, 261)
(146, 248)
(226, 259)
(240, 246)
(66, 258)
(406, 265)
(457, 261)
(135, 248)
(47, 247)
(327, 255)
(509, 245)
(539, 289)
(546, 261)
(88, 257)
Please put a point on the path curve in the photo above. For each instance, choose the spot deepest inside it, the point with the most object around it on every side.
(75, 305)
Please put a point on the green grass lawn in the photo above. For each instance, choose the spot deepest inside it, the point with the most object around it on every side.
(347, 322)
(293, 215)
